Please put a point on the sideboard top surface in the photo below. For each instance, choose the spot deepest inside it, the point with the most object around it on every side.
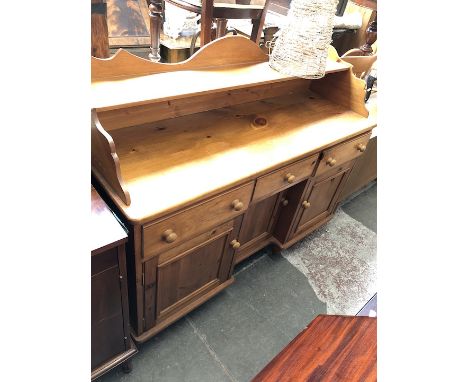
(202, 147)
(203, 152)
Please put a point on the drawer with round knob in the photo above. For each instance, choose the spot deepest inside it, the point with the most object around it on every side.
(342, 153)
(285, 177)
(171, 231)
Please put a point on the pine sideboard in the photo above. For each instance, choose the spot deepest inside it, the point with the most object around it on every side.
(209, 160)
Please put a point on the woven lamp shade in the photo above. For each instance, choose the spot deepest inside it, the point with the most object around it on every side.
(301, 48)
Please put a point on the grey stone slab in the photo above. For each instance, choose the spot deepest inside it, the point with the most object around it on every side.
(242, 339)
(280, 293)
(247, 263)
(363, 207)
(175, 355)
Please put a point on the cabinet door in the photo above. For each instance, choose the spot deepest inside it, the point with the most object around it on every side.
(256, 226)
(289, 208)
(181, 276)
(319, 202)
(107, 324)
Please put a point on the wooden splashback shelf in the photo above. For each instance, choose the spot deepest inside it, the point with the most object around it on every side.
(170, 125)
(128, 90)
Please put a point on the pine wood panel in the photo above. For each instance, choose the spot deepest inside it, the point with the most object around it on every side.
(257, 220)
(229, 50)
(223, 52)
(287, 214)
(343, 88)
(143, 90)
(330, 349)
(105, 163)
(278, 180)
(179, 278)
(364, 170)
(321, 199)
(186, 273)
(206, 215)
(160, 110)
(186, 150)
(342, 154)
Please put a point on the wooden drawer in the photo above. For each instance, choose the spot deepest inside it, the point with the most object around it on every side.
(167, 233)
(284, 177)
(342, 153)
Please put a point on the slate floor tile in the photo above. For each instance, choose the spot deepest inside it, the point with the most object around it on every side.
(241, 338)
(279, 293)
(175, 355)
(363, 207)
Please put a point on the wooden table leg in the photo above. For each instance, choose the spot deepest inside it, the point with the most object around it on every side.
(155, 13)
(371, 37)
(99, 31)
(221, 25)
(127, 366)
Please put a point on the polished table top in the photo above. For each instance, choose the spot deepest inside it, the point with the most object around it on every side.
(331, 348)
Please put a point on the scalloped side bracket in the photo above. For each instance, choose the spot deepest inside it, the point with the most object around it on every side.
(105, 163)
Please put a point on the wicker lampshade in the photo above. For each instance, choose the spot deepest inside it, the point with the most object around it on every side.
(302, 45)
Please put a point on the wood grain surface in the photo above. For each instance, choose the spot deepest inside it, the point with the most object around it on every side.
(105, 163)
(143, 90)
(185, 152)
(229, 50)
(330, 349)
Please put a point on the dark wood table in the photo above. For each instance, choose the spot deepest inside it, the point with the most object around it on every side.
(111, 344)
(331, 348)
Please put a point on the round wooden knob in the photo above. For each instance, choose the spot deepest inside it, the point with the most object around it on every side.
(237, 205)
(305, 204)
(289, 178)
(331, 161)
(285, 202)
(169, 236)
(235, 244)
(361, 147)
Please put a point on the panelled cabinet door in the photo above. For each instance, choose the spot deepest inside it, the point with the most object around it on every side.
(257, 225)
(320, 201)
(184, 274)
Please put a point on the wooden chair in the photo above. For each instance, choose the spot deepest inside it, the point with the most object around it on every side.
(218, 11)
(361, 64)
(364, 58)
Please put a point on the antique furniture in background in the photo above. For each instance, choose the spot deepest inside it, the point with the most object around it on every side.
(128, 23)
(363, 59)
(217, 11)
(365, 36)
(111, 344)
(331, 348)
(365, 168)
(99, 32)
(209, 160)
